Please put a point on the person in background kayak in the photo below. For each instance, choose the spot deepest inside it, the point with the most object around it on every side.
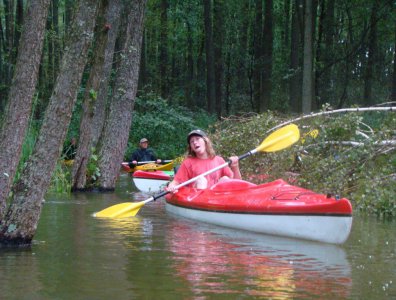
(143, 153)
(201, 157)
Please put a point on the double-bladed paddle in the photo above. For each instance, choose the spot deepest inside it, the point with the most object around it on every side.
(278, 140)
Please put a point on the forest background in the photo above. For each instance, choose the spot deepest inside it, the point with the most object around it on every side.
(111, 72)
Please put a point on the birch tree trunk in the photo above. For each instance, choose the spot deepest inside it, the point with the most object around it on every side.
(16, 118)
(20, 222)
(116, 131)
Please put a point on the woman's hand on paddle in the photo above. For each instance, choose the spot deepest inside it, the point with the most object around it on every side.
(171, 187)
(234, 165)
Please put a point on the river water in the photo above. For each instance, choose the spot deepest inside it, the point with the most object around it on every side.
(158, 256)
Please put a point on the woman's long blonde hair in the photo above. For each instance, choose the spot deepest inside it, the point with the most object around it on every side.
(209, 148)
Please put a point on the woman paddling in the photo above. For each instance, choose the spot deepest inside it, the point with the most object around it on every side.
(201, 157)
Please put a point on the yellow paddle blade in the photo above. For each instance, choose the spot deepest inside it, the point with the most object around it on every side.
(313, 133)
(280, 139)
(121, 210)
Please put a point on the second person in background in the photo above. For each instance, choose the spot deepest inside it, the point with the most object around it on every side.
(144, 153)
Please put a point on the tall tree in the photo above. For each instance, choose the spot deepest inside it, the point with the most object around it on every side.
(83, 154)
(307, 88)
(190, 67)
(164, 49)
(268, 42)
(16, 117)
(393, 90)
(20, 222)
(218, 34)
(8, 39)
(210, 64)
(18, 24)
(116, 131)
(99, 116)
(258, 54)
(295, 67)
(371, 56)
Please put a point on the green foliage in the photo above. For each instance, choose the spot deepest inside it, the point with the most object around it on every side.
(93, 171)
(60, 181)
(346, 158)
(93, 94)
(165, 126)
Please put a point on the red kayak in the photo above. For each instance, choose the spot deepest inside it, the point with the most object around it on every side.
(276, 208)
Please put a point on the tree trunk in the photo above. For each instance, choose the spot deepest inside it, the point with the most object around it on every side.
(372, 55)
(210, 68)
(16, 118)
(258, 54)
(112, 20)
(393, 91)
(18, 24)
(268, 41)
(20, 223)
(116, 132)
(189, 68)
(79, 171)
(164, 49)
(325, 58)
(295, 80)
(8, 40)
(307, 89)
(218, 34)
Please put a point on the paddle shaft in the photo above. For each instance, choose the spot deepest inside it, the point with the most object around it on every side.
(153, 161)
(268, 144)
(155, 197)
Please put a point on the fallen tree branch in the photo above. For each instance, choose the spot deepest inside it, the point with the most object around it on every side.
(328, 112)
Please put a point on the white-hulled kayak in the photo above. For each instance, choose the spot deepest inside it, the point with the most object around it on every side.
(275, 208)
(151, 181)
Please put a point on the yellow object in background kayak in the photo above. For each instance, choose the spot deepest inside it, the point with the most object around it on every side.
(147, 167)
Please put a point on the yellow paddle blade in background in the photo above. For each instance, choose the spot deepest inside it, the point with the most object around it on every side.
(280, 139)
(122, 210)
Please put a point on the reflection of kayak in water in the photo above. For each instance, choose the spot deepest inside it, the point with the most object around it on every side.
(275, 208)
(324, 255)
(225, 260)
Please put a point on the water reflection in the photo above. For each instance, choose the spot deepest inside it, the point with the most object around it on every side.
(222, 260)
(158, 256)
